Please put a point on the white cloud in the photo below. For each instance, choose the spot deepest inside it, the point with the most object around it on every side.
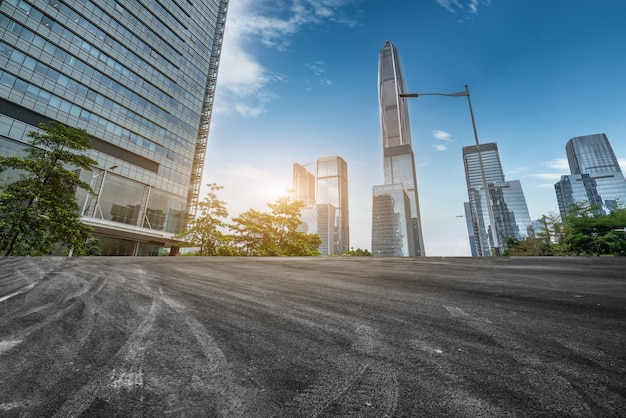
(244, 83)
(559, 164)
(519, 170)
(440, 147)
(462, 7)
(622, 163)
(548, 176)
(317, 68)
(442, 135)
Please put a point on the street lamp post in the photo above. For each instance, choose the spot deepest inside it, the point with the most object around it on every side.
(494, 235)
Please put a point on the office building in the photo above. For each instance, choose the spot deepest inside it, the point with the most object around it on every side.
(596, 177)
(392, 230)
(332, 189)
(140, 78)
(303, 185)
(398, 162)
(508, 204)
(326, 203)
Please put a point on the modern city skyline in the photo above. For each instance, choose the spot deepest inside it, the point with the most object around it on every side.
(596, 177)
(140, 78)
(508, 204)
(398, 164)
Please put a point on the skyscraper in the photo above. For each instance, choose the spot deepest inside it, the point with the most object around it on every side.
(139, 77)
(391, 214)
(506, 198)
(398, 163)
(332, 189)
(303, 185)
(596, 177)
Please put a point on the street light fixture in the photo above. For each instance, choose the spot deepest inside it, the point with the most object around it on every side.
(494, 235)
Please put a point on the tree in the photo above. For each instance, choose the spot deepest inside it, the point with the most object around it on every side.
(275, 233)
(253, 232)
(588, 230)
(542, 244)
(39, 210)
(205, 231)
(527, 247)
(358, 252)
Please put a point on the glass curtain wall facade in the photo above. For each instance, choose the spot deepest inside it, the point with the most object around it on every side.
(510, 211)
(139, 77)
(596, 177)
(303, 188)
(392, 231)
(332, 189)
(398, 159)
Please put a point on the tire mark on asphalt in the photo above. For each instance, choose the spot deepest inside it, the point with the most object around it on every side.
(230, 393)
(551, 389)
(123, 370)
(32, 282)
(381, 383)
(360, 386)
(87, 296)
(57, 314)
(317, 398)
(10, 405)
(24, 289)
(6, 345)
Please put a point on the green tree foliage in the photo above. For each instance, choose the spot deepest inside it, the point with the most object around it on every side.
(527, 247)
(39, 210)
(358, 253)
(592, 232)
(274, 233)
(585, 230)
(542, 244)
(205, 231)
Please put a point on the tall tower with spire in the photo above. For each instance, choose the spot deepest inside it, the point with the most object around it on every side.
(396, 228)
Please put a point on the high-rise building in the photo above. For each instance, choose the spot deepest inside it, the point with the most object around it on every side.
(303, 185)
(596, 177)
(508, 205)
(391, 214)
(327, 214)
(332, 189)
(139, 77)
(398, 162)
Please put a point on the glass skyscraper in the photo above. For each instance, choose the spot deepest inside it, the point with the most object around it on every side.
(398, 163)
(303, 185)
(596, 177)
(332, 190)
(506, 198)
(326, 203)
(391, 212)
(139, 77)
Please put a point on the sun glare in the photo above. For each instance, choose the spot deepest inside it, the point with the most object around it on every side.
(274, 192)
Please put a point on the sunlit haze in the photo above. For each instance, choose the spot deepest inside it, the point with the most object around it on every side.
(298, 81)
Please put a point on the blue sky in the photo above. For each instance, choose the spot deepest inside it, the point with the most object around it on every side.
(298, 81)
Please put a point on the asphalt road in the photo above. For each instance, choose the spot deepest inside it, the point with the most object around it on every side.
(312, 337)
